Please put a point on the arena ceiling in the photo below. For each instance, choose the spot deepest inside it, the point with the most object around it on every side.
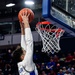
(19, 4)
(7, 13)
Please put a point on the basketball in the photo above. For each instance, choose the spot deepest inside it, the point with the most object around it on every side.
(29, 11)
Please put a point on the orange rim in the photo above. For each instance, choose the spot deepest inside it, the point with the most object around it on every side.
(48, 30)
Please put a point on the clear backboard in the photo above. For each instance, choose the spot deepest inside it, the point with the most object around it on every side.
(60, 13)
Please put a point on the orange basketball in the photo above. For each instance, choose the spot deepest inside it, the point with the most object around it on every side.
(29, 11)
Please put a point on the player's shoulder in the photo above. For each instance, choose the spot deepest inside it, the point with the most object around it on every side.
(19, 63)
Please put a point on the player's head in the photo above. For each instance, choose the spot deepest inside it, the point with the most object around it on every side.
(18, 55)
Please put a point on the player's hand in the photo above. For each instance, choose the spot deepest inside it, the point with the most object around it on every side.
(25, 18)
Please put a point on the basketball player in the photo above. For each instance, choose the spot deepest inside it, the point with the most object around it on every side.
(24, 55)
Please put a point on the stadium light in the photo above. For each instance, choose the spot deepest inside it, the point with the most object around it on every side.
(10, 5)
(29, 2)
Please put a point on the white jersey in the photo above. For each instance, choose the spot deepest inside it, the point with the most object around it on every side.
(23, 71)
(27, 66)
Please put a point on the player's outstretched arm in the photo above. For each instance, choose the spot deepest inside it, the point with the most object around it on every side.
(28, 59)
(23, 43)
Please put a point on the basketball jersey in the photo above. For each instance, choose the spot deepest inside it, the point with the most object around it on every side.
(27, 66)
(23, 71)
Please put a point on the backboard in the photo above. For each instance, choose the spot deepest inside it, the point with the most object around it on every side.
(60, 13)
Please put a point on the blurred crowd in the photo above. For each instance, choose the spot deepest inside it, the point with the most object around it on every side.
(46, 65)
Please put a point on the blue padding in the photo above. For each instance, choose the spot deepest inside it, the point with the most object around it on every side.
(45, 5)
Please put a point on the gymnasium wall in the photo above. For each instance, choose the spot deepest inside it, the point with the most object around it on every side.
(16, 38)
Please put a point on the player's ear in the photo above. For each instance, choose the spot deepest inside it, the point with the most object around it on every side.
(22, 57)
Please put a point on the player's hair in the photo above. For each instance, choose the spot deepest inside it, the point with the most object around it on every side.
(16, 54)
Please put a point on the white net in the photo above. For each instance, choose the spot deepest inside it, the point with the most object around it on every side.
(50, 37)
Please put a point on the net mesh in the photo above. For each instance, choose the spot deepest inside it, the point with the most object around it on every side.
(50, 37)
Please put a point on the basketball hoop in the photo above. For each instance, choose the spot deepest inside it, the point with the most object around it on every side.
(50, 36)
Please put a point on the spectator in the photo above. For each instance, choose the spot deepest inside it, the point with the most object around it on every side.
(52, 72)
(8, 56)
(60, 72)
(43, 73)
(69, 58)
(56, 59)
(38, 66)
(7, 69)
(64, 69)
(69, 68)
(67, 73)
(1, 73)
(43, 66)
(62, 59)
(50, 65)
(74, 56)
(1, 63)
(72, 71)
